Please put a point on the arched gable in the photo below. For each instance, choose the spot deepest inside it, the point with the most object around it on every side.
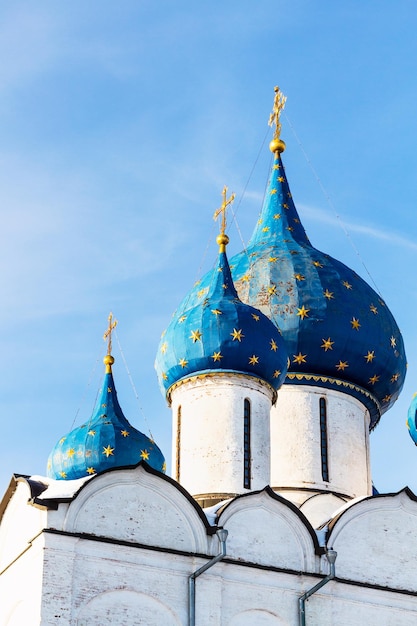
(266, 529)
(375, 540)
(142, 506)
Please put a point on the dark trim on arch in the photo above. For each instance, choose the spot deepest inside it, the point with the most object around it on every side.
(317, 548)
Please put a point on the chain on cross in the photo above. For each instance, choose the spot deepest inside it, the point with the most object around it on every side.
(107, 335)
(222, 209)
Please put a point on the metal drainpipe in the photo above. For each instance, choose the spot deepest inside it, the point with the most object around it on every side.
(331, 557)
(222, 536)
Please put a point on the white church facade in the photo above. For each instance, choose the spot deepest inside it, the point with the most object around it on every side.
(276, 367)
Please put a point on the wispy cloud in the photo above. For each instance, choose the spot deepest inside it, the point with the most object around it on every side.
(319, 215)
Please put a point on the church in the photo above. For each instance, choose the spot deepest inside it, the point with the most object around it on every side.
(276, 365)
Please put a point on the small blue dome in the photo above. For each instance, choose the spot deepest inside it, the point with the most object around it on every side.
(412, 419)
(105, 441)
(219, 333)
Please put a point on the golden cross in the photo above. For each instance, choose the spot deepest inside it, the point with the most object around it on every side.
(110, 329)
(279, 104)
(223, 208)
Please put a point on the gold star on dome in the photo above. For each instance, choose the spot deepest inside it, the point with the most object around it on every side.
(328, 294)
(355, 323)
(63, 474)
(224, 286)
(290, 228)
(61, 441)
(202, 292)
(183, 362)
(182, 319)
(299, 358)
(276, 373)
(394, 378)
(253, 360)
(197, 282)
(164, 347)
(216, 312)
(286, 206)
(274, 346)
(108, 451)
(164, 376)
(272, 259)
(144, 454)
(49, 465)
(386, 398)
(217, 356)
(296, 220)
(374, 379)
(265, 229)
(373, 309)
(273, 191)
(293, 252)
(327, 344)
(237, 334)
(195, 335)
(70, 453)
(256, 317)
(299, 277)
(109, 390)
(91, 432)
(104, 405)
(346, 284)
(303, 312)
(272, 290)
(91, 470)
(125, 433)
(246, 278)
(281, 179)
(317, 264)
(164, 466)
(342, 365)
(370, 356)
(393, 342)
(277, 216)
(259, 222)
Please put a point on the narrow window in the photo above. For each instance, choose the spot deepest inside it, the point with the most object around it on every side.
(323, 440)
(246, 445)
(177, 469)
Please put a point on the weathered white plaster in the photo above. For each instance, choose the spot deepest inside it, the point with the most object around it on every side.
(208, 444)
(84, 577)
(296, 447)
(257, 525)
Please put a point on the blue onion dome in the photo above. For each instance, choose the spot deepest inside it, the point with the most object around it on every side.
(107, 440)
(334, 324)
(339, 332)
(219, 333)
(412, 419)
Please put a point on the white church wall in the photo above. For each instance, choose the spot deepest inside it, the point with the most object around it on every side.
(296, 447)
(376, 541)
(266, 531)
(19, 524)
(209, 439)
(21, 587)
(138, 506)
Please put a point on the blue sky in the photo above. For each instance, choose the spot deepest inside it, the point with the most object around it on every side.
(121, 122)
